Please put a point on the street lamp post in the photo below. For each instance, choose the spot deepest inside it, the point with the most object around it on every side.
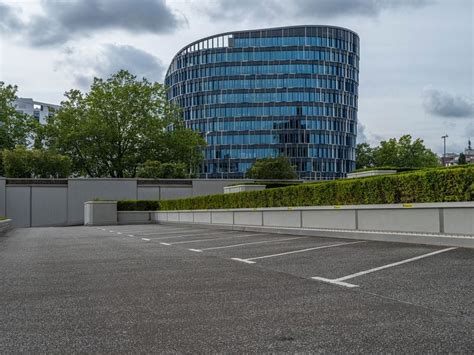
(444, 150)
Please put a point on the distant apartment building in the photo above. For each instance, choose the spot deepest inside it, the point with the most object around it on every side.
(286, 91)
(37, 109)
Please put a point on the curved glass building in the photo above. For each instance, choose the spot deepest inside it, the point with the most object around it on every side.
(289, 91)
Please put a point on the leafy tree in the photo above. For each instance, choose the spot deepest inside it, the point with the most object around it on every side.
(153, 169)
(23, 163)
(15, 127)
(272, 168)
(462, 159)
(396, 153)
(121, 123)
(404, 153)
(364, 156)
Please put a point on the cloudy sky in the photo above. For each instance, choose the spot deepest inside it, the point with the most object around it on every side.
(416, 72)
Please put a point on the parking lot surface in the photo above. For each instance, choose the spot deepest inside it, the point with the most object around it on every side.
(185, 289)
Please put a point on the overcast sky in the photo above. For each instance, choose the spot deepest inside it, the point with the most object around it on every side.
(416, 73)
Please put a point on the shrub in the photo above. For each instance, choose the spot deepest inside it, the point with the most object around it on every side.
(272, 168)
(138, 205)
(430, 185)
(153, 169)
(23, 163)
(427, 185)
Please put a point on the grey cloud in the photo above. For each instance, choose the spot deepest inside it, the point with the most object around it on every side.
(62, 21)
(361, 135)
(274, 9)
(443, 104)
(107, 60)
(9, 21)
(135, 60)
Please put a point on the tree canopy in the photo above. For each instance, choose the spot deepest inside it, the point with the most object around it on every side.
(119, 124)
(15, 127)
(396, 153)
(272, 168)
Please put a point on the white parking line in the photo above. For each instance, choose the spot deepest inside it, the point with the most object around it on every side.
(188, 235)
(339, 281)
(130, 235)
(243, 244)
(119, 233)
(174, 231)
(250, 260)
(203, 240)
(146, 239)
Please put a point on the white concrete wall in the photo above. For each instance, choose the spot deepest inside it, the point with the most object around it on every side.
(174, 192)
(18, 205)
(82, 190)
(134, 217)
(148, 192)
(3, 192)
(336, 218)
(433, 218)
(459, 220)
(48, 205)
(402, 220)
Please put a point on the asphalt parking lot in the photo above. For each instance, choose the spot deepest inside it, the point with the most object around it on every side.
(183, 289)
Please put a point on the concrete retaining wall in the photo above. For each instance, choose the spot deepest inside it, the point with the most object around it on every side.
(449, 224)
(34, 203)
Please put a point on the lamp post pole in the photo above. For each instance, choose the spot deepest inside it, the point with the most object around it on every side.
(444, 150)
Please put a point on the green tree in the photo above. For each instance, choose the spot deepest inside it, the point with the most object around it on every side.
(15, 127)
(23, 163)
(272, 168)
(364, 156)
(153, 169)
(462, 159)
(404, 153)
(121, 123)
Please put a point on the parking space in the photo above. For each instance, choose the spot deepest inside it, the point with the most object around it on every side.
(323, 287)
(405, 272)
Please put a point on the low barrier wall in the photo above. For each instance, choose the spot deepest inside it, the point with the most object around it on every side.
(5, 226)
(426, 223)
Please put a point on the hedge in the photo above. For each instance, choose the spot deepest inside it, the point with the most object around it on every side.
(428, 185)
(138, 205)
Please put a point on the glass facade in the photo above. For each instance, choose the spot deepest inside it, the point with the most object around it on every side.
(288, 91)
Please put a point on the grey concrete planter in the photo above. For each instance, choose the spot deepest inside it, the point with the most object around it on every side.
(5, 226)
(98, 213)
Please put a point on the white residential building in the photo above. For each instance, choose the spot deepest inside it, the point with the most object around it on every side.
(40, 110)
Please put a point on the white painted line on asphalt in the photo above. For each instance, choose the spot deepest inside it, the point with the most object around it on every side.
(111, 231)
(162, 233)
(146, 239)
(243, 244)
(339, 280)
(189, 231)
(335, 282)
(244, 260)
(159, 230)
(119, 233)
(131, 235)
(298, 251)
(196, 250)
(189, 235)
(203, 240)
(165, 243)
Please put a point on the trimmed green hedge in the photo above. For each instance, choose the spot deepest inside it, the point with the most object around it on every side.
(427, 185)
(138, 205)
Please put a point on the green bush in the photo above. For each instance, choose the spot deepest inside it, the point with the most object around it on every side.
(429, 185)
(153, 169)
(35, 163)
(138, 205)
(272, 168)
